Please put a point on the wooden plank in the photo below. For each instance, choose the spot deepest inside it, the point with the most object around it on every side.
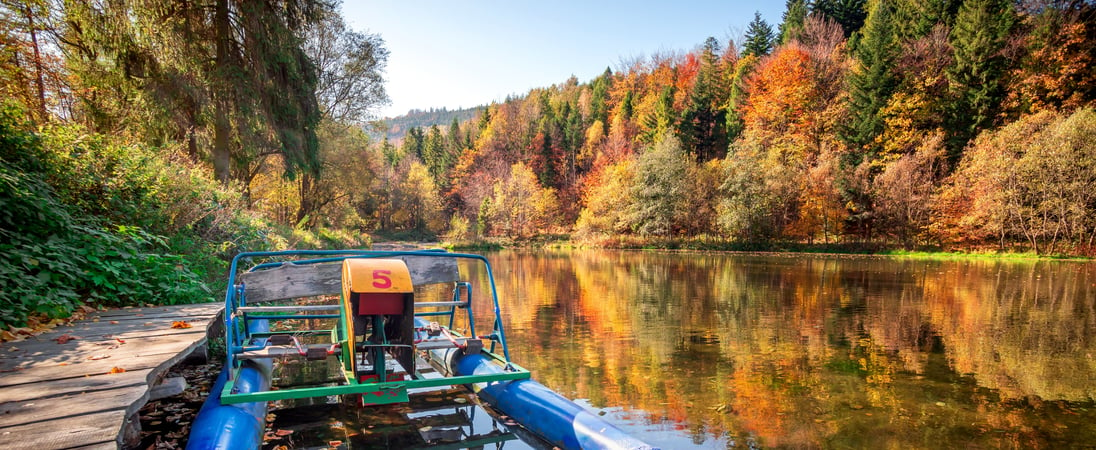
(198, 309)
(67, 406)
(80, 350)
(53, 388)
(56, 395)
(164, 354)
(87, 430)
(291, 281)
(106, 330)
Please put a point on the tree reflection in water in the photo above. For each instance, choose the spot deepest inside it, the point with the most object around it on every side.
(798, 350)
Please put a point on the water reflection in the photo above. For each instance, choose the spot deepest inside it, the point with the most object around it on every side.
(715, 350)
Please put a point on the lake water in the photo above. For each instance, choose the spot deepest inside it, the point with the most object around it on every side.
(715, 350)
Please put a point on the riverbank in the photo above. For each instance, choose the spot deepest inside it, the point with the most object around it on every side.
(716, 244)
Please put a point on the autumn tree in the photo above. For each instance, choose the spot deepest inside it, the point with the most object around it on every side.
(31, 71)
(350, 65)
(752, 194)
(1031, 181)
(903, 192)
(519, 206)
(603, 204)
(1057, 70)
(657, 195)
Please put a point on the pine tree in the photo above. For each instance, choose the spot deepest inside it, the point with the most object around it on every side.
(599, 97)
(703, 121)
(850, 14)
(873, 81)
(795, 14)
(435, 156)
(979, 35)
(759, 37)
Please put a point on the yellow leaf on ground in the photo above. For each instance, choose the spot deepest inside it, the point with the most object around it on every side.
(180, 324)
(114, 370)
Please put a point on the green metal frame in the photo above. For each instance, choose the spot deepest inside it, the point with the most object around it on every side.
(373, 392)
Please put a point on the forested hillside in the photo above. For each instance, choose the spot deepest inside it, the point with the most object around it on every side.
(396, 127)
(954, 124)
(144, 143)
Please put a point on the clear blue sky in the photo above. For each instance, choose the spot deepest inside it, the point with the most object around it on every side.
(465, 53)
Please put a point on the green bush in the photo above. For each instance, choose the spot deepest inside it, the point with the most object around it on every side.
(84, 221)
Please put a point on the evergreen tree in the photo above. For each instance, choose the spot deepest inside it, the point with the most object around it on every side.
(663, 119)
(873, 80)
(759, 37)
(979, 35)
(703, 121)
(916, 18)
(454, 142)
(435, 156)
(795, 14)
(599, 97)
(413, 143)
(850, 14)
(239, 62)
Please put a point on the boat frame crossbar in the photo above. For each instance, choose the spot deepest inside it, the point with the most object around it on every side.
(242, 344)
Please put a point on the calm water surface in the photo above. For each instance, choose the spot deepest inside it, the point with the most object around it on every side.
(694, 350)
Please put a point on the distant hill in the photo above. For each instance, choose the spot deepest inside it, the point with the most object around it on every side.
(397, 126)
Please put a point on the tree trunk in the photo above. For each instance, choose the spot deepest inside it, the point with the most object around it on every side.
(222, 128)
(37, 65)
(307, 202)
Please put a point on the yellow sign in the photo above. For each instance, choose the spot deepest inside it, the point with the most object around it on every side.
(367, 275)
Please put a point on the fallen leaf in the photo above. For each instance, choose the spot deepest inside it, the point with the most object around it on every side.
(180, 324)
(120, 341)
(114, 322)
(114, 370)
(98, 357)
(283, 432)
(6, 335)
(65, 338)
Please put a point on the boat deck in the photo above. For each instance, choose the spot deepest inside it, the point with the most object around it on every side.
(81, 385)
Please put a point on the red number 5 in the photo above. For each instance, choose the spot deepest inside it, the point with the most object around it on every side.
(381, 279)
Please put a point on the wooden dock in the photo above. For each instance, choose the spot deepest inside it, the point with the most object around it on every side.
(81, 385)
